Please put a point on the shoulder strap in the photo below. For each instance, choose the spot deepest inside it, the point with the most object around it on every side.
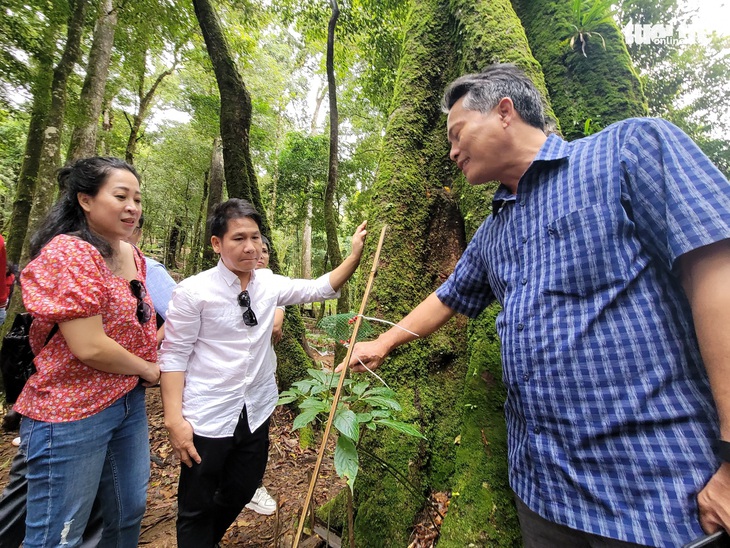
(51, 333)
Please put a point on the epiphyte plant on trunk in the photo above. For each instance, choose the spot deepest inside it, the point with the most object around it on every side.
(586, 17)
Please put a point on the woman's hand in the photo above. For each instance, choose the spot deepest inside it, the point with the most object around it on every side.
(151, 376)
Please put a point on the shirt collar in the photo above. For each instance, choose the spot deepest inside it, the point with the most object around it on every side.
(555, 148)
(230, 277)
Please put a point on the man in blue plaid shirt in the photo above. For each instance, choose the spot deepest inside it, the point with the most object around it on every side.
(610, 256)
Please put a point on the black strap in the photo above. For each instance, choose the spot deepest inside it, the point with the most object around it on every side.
(51, 333)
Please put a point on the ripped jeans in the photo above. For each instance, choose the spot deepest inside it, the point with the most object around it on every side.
(68, 462)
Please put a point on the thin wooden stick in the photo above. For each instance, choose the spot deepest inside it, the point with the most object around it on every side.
(336, 398)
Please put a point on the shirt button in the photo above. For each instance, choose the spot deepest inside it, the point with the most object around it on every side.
(520, 326)
(526, 377)
(524, 239)
(536, 430)
(524, 281)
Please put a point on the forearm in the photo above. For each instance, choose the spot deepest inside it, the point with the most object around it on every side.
(88, 342)
(342, 273)
(706, 278)
(171, 389)
(421, 322)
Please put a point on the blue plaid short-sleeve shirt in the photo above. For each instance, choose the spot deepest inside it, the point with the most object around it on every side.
(609, 411)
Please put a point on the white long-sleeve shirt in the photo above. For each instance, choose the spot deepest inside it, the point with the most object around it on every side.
(226, 363)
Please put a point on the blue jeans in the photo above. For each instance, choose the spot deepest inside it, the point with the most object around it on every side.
(69, 462)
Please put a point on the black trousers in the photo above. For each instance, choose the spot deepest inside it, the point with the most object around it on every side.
(537, 532)
(212, 494)
(12, 509)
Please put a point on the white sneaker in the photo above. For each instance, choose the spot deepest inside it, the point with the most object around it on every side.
(262, 502)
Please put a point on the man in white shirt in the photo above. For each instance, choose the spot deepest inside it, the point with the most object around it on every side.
(218, 384)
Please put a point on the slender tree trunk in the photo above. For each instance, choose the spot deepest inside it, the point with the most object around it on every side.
(145, 100)
(198, 232)
(307, 239)
(45, 193)
(331, 217)
(27, 179)
(83, 139)
(216, 179)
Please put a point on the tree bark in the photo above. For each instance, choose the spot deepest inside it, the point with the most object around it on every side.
(235, 113)
(331, 216)
(83, 138)
(27, 179)
(592, 91)
(216, 179)
(449, 382)
(45, 192)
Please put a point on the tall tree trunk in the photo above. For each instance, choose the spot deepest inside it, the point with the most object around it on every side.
(45, 193)
(216, 179)
(330, 210)
(83, 138)
(235, 113)
(449, 383)
(27, 179)
(196, 249)
(592, 91)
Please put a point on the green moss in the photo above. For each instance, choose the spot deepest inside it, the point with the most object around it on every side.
(482, 511)
(602, 87)
(292, 361)
(306, 437)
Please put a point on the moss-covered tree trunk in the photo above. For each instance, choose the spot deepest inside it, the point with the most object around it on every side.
(450, 383)
(587, 91)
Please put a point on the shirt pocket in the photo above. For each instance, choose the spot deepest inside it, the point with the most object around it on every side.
(584, 252)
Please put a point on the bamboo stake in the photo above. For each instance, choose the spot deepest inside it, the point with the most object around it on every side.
(336, 398)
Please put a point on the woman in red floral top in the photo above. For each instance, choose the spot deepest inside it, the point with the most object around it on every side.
(84, 428)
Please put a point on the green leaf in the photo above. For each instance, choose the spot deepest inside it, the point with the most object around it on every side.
(304, 418)
(304, 385)
(323, 377)
(372, 426)
(381, 413)
(346, 460)
(286, 397)
(346, 422)
(314, 403)
(364, 417)
(380, 391)
(360, 388)
(380, 401)
(402, 427)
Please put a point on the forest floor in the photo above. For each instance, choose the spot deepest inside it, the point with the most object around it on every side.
(287, 480)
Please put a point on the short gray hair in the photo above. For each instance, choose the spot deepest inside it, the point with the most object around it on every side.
(483, 91)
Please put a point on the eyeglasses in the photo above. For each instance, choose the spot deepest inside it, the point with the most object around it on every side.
(244, 301)
(144, 311)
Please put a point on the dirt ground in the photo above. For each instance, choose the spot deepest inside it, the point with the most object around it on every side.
(286, 479)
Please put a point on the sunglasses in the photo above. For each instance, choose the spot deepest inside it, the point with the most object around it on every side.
(244, 301)
(144, 311)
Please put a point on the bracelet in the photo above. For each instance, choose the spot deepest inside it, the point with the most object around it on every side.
(723, 450)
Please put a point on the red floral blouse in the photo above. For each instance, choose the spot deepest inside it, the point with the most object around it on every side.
(67, 281)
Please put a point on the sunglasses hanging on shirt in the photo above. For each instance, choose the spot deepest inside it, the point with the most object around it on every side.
(244, 301)
(144, 311)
